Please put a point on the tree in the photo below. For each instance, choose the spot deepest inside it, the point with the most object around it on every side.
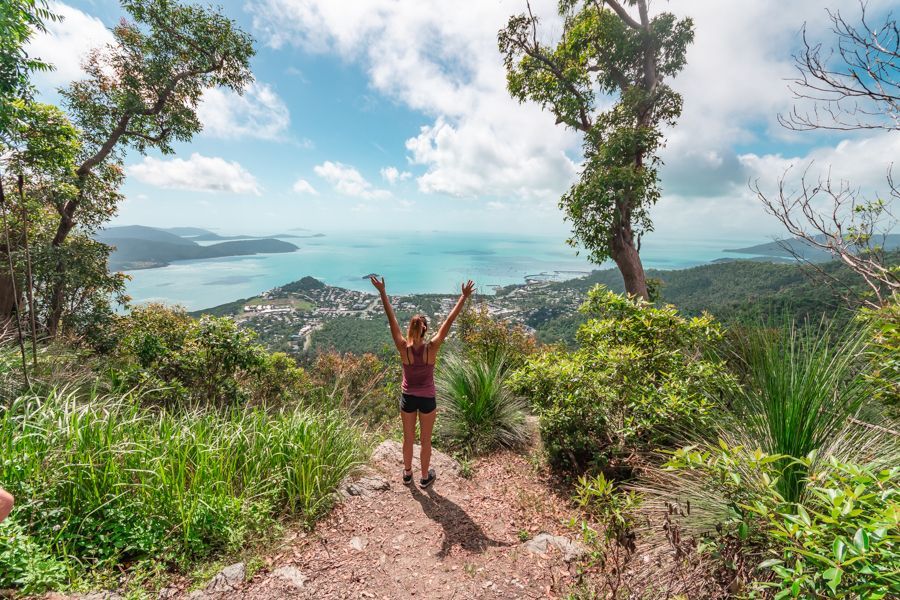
(141, 93)
(855, 85)
(19, 19)
(40, 161)
(605, 51)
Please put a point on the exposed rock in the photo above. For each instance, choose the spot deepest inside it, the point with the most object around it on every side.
(366, 483)
(228, 579)
(571, 550)
(358, 543)
(291, 575)
(389, 457)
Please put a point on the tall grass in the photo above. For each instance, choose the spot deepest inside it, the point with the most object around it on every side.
(103, 480)
(480, 413)
(803, 386)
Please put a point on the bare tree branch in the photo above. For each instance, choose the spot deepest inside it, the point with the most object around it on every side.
(853, 85)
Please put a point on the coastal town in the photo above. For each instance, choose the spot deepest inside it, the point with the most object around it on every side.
(288, 317)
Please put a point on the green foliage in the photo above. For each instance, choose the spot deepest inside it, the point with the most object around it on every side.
(351, 334)
(884, 353)
(362, 384)
(637, 380)
(24, 563)
(487, 339)
(19, 20)
(144, 89)
(178, 361)
(601, 499)
(480, 413)
(840, 541)
(802, 386)
(102, 481)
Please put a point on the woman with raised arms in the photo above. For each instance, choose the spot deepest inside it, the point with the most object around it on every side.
(418, 393)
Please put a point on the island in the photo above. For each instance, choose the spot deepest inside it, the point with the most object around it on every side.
(139, 247)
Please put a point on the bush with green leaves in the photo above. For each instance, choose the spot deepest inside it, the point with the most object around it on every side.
(841, 540)
(178, 361)
(479, 412)
(884, 353)
(640, 377)
(483, 337)
(363, 384)
(106, 482)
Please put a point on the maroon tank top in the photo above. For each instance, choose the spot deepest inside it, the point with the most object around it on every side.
(418, 376)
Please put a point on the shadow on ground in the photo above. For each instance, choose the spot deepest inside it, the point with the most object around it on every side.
(459, 528)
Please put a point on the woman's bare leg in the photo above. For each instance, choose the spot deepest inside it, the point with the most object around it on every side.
(409, 438)
(6, 504)
(426, 425)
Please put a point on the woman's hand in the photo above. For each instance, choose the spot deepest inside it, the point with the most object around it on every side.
(468, 288)
(379, 284)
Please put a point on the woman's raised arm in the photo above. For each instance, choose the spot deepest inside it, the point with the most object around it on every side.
(399, 341)
(444, 331)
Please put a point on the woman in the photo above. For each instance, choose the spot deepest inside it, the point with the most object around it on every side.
(6, 504)
(418, 356)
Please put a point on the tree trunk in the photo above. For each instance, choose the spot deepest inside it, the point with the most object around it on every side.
(625, 254)
(8, 299)
(58, 290)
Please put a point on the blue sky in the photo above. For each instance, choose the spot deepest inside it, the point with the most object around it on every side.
(392, 115)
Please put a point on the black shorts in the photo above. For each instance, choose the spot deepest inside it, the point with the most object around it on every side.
(411, 404)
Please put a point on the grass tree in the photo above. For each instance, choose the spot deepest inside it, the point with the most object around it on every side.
(605, 51)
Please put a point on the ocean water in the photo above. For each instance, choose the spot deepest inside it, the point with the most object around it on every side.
(424, 262)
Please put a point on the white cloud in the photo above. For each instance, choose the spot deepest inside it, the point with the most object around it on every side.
(198, 173)
(66, 44)
(443, 61)
(348, 180)
(392, 175)
(302, 186)
(258, 113)
(735, 208)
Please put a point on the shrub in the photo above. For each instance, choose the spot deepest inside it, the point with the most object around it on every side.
(178, 361)
(361, 383)
(485, 338)
(479, 412)
(614, 508)
(639, 377)
(884, 353)
(841, 540)
(802, 387)
(107, 481)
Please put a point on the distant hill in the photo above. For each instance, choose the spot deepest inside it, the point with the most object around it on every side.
(303, 285)
(186, 231)
(139, 247)
(735, 292)
(198, 234)
(140, 232)
(803, 249)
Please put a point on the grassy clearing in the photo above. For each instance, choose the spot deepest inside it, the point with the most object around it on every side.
(103, 481)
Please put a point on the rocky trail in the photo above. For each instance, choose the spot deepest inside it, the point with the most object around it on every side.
(500, 534)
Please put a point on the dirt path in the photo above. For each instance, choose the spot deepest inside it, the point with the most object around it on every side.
(461, 538)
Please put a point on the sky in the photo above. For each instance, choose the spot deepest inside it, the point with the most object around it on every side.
(394, 115)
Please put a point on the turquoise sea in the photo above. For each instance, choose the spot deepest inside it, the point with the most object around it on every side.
(419, 262)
